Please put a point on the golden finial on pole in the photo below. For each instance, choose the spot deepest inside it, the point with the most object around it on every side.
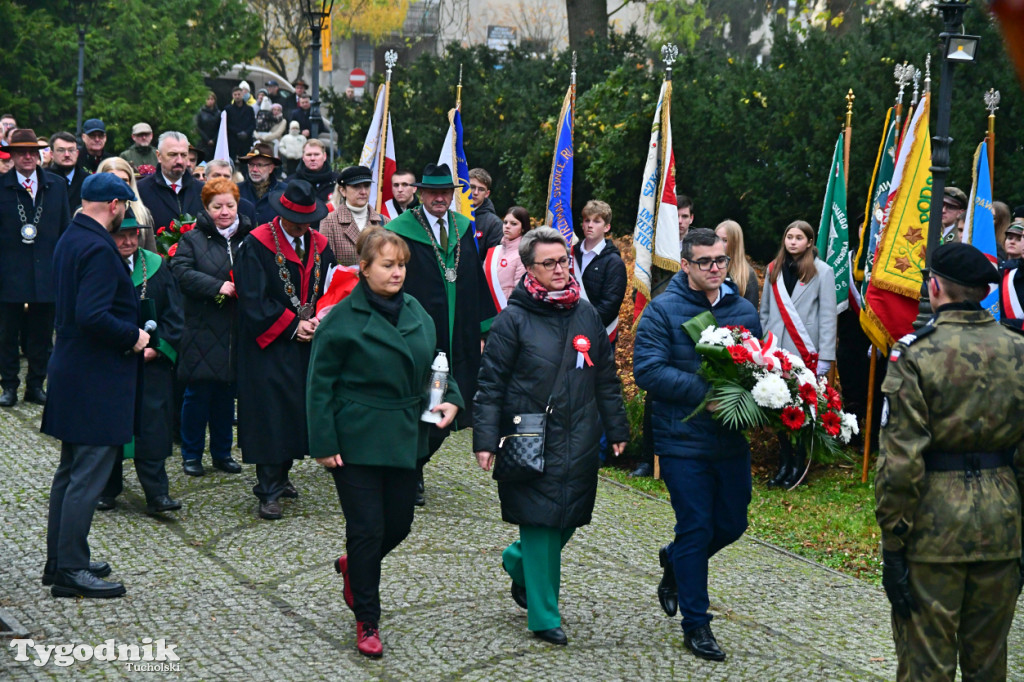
(458, 91)
(847, 135)
(992, 104)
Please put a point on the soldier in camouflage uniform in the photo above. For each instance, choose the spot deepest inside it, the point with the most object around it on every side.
(947, 500)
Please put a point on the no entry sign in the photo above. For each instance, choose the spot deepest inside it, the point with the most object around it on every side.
(357, 78)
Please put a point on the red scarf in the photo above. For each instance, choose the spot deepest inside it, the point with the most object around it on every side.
(566, 299)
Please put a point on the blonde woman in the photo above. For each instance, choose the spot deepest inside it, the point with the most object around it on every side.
(741, 273)
(122, 169)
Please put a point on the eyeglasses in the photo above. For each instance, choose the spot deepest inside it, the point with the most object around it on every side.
(69, 151)
(705, 264)
(551, 263)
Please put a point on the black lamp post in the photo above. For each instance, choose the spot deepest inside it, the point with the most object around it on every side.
(956, 47)
(317, 12)
(82, 14)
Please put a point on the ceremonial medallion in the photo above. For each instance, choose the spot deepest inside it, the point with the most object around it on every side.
(449, 274)
(29, 233)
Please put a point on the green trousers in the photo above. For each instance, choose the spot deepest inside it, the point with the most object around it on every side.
(965, 612)
(535, 561)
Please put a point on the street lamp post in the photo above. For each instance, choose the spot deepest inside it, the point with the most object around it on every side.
(83, 10)
(317, 12)
(956, 47)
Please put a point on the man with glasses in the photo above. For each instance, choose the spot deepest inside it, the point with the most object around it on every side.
(33, 215)
(403, 189)
(261, 180)
(445, 275)
(706, 466)
(171, 193)
(488, 223)
(94, 137)
(141, 153)
(65, 164)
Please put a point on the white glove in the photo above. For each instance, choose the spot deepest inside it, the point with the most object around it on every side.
(823, 367)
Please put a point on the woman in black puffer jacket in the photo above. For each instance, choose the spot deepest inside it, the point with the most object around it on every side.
(206, 359)
(546, 327)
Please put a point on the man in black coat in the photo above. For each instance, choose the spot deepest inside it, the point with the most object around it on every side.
(93, 379)
(445, 275)
(160, 301)
(65, 164)
(241, 124)
(599, 267)
(315, 170)
(171, 192)
(94, 141)
(33, 214)
(262, 172)
(488, 222)
(302, 114)
(275, 331)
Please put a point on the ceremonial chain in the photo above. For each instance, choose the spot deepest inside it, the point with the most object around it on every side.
(450, 274)
(145, 275)
(29, 231)
(305, 310)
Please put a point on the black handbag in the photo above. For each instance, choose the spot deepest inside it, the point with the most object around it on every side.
(520, 455)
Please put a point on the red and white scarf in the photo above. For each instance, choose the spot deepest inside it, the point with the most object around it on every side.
(566, 299)
(794, 325)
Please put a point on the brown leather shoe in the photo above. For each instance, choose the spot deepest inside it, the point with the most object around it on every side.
(270, 510)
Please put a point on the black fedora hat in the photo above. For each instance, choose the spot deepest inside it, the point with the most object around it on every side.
(298, 203)
(23, 139)
(436, 177)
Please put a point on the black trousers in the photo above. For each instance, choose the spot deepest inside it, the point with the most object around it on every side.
(37, 321)
(152, 475)
(81, 475)
(271, 480)
(378, 507)
(647, 437)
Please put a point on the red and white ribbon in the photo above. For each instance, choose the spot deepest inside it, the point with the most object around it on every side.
(582, 346)
(1011, 301)
(794, 325)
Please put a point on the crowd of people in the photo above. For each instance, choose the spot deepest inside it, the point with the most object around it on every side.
(269, 289)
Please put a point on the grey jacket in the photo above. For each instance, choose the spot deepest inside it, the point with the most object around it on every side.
(815, 303)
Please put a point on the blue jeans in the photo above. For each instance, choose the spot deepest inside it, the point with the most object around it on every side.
(207, 403)
(710, 498)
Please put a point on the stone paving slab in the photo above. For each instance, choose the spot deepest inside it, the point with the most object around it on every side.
(242, 598)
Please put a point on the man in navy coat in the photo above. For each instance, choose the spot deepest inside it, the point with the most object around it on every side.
(171, 192)
(93, 376)
(33, 214)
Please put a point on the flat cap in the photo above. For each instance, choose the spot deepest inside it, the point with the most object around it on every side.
(355, 175)
(106, 187)
(1016, 227)
(963, 264)
(955, 195)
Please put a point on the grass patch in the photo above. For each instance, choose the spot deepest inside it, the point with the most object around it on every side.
(831, 521)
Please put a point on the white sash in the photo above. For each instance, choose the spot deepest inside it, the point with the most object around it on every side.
(794, 325)
(492, 263)
(1011, 301)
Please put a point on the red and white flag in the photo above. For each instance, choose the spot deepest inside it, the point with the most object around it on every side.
(381, 162)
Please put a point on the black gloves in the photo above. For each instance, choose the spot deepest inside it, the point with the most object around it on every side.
(896, 583)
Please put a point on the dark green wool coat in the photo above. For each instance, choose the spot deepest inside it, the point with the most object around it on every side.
(367, 384)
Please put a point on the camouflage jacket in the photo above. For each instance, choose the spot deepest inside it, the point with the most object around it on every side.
(958, 387)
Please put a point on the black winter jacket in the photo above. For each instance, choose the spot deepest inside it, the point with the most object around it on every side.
(202, 264)
(528, 342)
(604, 280)
(488, 227)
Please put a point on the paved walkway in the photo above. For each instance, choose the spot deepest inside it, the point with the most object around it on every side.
(241, 598)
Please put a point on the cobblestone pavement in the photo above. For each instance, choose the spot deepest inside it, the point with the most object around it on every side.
(245, 598)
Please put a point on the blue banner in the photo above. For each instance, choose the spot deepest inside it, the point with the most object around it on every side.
(980, 221)
(559, 213)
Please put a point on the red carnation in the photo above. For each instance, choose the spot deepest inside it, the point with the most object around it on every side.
(783, 361)
(186, 227)
(738, 328)
(830, 422)
(160, 230)
(739, 354)
(147, 169)
(792, 417)
(832, 398)
(173, 250)
(808, 394)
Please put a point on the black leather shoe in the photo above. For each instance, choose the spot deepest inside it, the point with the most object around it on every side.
(100, 569)
(420, 500)
(552, 636)
(35, 395)
(290, 491)
(270, 510)
(227, 465)
(193, 467)
(519, 594)
(702, 643)
(785, 467)
(668, 591)
(105, 503)
(9, 398)
(83, 583)
(162, 503)
(795, 473)
(643, 470)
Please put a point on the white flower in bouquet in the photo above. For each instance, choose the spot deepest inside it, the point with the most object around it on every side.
(848, 427)
(716, 336)
(794, 359)
(771, 391)
(806, 376)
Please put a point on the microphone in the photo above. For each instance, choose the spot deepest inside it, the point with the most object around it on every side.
(149, 327)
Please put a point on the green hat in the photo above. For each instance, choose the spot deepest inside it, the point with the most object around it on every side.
(436, 177)
(129, 222)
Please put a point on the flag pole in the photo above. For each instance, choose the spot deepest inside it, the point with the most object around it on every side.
(458, 91)
(390, 59)
(869, 417)
(847, 134)
(903, 73)
(992, 103)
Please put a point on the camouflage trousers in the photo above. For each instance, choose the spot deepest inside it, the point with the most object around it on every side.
(965, 610)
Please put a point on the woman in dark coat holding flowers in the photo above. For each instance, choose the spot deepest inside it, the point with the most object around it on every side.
(367, 386)
(548, 349)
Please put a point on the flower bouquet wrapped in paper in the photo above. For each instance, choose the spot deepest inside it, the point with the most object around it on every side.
(755, 383)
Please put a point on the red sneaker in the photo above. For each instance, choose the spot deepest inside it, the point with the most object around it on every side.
(341, 566)
(368, 639)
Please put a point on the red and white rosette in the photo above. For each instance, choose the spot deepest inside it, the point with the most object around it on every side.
(582, 346)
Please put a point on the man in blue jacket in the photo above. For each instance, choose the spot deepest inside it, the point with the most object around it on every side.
(93, 376)
(706, 466)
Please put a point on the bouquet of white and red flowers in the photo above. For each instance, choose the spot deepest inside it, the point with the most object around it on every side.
(755, 383)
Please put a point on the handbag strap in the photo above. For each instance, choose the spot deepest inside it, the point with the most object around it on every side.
(562, 367)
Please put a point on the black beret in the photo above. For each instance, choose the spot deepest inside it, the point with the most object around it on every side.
(963, 264)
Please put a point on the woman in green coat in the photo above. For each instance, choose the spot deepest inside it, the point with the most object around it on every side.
(371, 361)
